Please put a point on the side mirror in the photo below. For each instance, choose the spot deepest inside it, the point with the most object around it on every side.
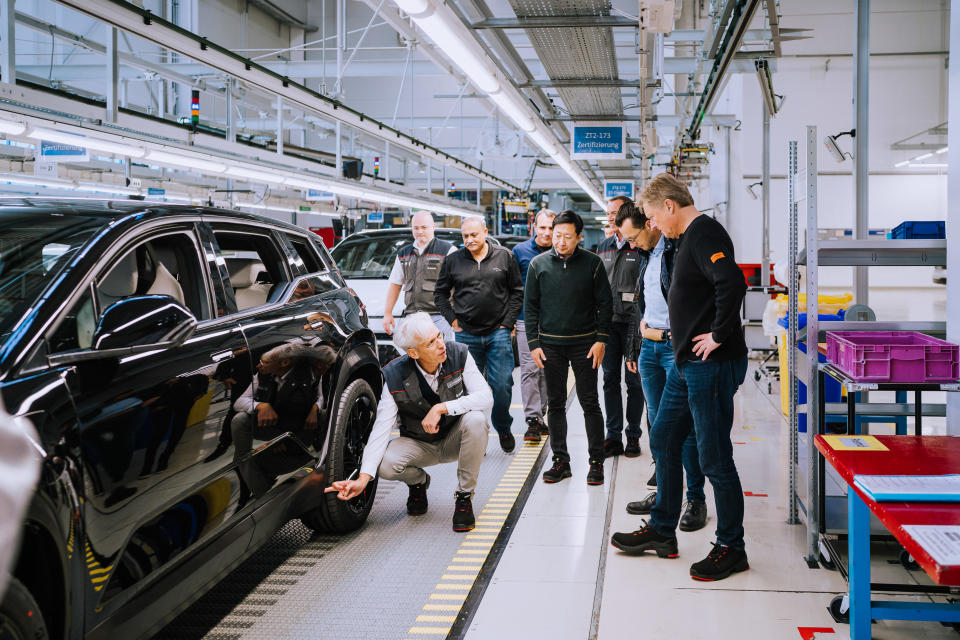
(135, 325)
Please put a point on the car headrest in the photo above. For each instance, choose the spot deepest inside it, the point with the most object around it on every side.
(122, 279)
(244, 272)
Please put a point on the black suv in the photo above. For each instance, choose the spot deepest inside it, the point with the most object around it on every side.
(138, 338)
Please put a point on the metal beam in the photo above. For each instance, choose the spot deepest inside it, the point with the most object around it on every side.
(765, 222)
(282, 15)
(113, 76)
(861, 124)
(8, 48)
(585, 82)
(128, 17)
(553, 22)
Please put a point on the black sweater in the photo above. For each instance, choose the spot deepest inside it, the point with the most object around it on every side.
(567, 301)
(486, 295)
(706, 292)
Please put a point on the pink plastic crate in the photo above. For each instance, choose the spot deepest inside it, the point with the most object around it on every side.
(893, 356)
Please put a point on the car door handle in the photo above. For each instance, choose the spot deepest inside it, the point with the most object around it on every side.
(221, 355)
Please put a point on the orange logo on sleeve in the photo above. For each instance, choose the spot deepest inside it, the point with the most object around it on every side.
(717, 256)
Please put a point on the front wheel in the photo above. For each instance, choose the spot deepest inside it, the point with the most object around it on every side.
(354, 416)
(20, 617)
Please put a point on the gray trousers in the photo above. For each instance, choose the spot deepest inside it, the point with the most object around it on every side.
(533, 384)
(466, 443)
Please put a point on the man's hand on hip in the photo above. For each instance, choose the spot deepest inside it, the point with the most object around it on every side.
(538, 357)
(704, 344)
(596, 353)
(431, 422)
(456, 325)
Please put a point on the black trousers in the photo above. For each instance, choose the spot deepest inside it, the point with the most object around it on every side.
(559, 360)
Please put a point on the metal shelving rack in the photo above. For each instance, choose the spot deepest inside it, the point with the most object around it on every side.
(802, 187)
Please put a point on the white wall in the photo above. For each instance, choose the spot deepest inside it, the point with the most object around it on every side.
(907, 95)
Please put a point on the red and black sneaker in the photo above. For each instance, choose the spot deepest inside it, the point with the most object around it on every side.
(719, 564)
(645, 539)
(532, 434)
(417, 500)
(559, 471)
(595, 474)
(463, 519)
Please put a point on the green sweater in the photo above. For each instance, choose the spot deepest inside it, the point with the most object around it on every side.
(567, 301)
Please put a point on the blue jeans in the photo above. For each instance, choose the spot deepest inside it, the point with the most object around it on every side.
(698, 395)
(493, 354)
(613, 364)
(655, 361)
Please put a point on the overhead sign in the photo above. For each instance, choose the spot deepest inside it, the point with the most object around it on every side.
(516, 206)
(597, 142)
(614, 189)
(375, 217)
(153, 191)
(59, 152)
(313, 194)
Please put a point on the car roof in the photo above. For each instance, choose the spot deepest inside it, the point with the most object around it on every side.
(406, 232)
(119, 209)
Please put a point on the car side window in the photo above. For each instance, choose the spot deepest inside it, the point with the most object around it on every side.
(255, 264)
(166, 265)
(306, 252)
(76, 328)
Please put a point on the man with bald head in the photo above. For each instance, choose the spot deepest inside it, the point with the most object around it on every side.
(480, 293)
(415, 272)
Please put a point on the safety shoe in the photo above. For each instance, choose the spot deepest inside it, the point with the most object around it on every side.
(642, 507)
(507, 442)
(652, 482)
(557, 472)
(417, 500)
(595, 475)
(719, 564)
(694, 516)
(645, 539)
(532, 434)
(612, 447)
(633, 447)
(463, 519)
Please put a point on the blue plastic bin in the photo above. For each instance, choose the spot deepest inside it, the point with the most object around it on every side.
(821, 317)
(920, 230)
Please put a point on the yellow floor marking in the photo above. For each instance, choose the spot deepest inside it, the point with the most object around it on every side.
(477, 544)
(516, 406)
(422, 618)
(429, 631)
(457, 567)
(494, 510)
(481, 552)
(480, 536)
(756, 439)
(448, 596)
(448, 576)
(441, 607)
(452, 587)
(468, 560)
(749, 427)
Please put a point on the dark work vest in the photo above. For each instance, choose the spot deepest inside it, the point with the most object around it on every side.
(420, 273)
(404, 381)
(623, 267)
(295, 396)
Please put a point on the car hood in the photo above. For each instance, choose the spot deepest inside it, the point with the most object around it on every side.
(373, 294)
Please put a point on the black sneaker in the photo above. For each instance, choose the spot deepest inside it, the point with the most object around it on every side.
(719, 564)
(532, 434)
(417, 500)
(612, 447)
(463, 519)
(694, 516)
(557, 472)
(645, 539)
(652, 482)
(633, 447)
(507, 442)
(642, 507)
(595, 475)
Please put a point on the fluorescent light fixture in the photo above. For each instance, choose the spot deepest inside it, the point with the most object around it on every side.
(477, 67)
(12, 128)
(52, 135)
(928, 165)
(924, 156)
(942, 150)
(64, 185)
(294, 181)
(99, 187)
(544, 141)
(513, 110)
(256, 174)
(185, 162)
(902, 163)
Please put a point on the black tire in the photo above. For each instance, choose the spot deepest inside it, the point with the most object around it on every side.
(353, 419)
(20, 617)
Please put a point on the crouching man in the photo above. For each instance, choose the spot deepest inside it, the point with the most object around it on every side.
(440, 400)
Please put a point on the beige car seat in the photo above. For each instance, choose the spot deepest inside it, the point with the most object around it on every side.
(243, 278)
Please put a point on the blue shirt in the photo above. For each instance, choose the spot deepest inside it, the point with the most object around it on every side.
(655, 305)
(524, 253)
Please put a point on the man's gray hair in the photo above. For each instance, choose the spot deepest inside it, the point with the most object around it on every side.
(413, 330)
(481, 219)
(544, 212)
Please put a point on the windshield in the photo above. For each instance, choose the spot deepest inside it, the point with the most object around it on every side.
(33, 249)
(368, 257)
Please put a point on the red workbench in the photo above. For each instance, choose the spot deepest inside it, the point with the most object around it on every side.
(906, 455)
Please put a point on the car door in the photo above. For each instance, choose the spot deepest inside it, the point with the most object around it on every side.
(149, 426)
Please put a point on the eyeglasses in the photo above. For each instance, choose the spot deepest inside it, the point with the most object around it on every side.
(430, 344)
